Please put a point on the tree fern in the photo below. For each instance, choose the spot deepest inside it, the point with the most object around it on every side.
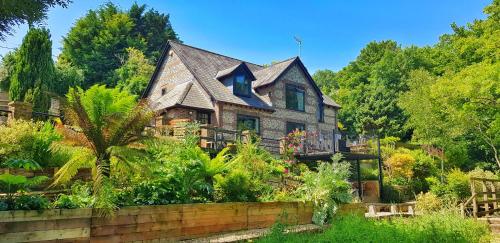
(108, 123)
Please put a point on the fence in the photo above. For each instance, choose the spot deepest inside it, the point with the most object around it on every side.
(484, 199)
(146, 223)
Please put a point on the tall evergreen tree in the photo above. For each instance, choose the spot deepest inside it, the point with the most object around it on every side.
(97, 43)
(34, 70)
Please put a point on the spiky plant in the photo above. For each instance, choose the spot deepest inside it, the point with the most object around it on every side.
(108, 125)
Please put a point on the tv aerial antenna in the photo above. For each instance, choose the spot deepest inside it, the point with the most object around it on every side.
(299, 42)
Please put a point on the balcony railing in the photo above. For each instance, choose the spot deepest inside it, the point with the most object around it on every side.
(215, 138)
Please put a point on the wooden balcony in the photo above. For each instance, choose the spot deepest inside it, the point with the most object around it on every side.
(215, 139)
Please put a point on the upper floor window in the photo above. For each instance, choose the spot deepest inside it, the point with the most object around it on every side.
(321, 112)
(295, 97)
(242, 86)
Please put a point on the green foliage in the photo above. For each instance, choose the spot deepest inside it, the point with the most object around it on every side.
(66, 76)
(11, 184)
(109, 121)
(436, 227)
(444, 95)
(31, 202)
(455, 187)
(428, 202)
(30, 11)
(80, 197)
(135, 73)
(236, 186)
(327, 188)
(26, 140)
(369, 87)
(33, 74)
(98, 41)
(7, 68)
(325, 79)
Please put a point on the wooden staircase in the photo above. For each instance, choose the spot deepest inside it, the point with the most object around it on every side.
(484, 204)
(494, 223)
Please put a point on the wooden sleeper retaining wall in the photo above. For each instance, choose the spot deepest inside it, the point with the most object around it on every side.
(145, 223)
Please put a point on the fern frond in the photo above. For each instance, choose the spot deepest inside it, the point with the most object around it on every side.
(81, 158)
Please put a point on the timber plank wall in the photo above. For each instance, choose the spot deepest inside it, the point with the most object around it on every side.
(146, 223)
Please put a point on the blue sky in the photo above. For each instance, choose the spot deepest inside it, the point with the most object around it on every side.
(333, 32)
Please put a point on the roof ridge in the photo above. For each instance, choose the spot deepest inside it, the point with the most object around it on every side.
(276, 63)
(215, 53)
(182, 97)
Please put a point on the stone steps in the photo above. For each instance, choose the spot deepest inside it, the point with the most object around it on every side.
(494, 223)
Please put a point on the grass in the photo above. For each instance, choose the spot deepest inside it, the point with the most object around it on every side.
(437, 227)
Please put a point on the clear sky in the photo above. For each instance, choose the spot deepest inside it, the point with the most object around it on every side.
(333, 32)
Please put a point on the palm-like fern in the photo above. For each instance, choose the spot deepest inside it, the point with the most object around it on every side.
(107, 122)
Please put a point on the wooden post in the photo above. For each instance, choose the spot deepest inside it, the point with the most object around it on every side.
(474, 200)
(485, 198)
(380, 175)
(494, 195)
(358, 174)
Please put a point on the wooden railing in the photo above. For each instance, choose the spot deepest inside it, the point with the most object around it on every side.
(484, 201)
(216, 139)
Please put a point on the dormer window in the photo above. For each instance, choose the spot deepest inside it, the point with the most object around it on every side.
(242, 86)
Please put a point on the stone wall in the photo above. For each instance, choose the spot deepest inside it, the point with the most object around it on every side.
(273, 124)
(173, 72)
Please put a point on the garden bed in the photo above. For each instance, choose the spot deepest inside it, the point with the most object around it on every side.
(165, 222)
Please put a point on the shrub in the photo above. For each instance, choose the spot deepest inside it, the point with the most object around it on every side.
(31, 202)
(20, 139)
(236, 186)
(400, 165)
(456, 186)
(80, 197)
(428, 202)
(327, 188)
(436, 227)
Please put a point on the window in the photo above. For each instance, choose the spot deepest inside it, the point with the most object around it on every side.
(241, 85)
(163, 91)
(203, 117)
(292, 126)
(294, 98)
(321, 112)
(248, 123)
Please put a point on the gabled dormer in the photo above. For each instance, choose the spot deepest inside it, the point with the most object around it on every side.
(238, 78)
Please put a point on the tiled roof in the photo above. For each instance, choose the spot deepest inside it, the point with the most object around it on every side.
(267, 75)
(328, 101)
(185, 94)
(207, 66)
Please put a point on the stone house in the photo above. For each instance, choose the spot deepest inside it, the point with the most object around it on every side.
(193, 84)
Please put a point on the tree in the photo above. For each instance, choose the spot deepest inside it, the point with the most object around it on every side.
(98, 41)
(110, 121)
(27, 11)
(66, 76)
(133, 76)
(326, 81)
(455, 107)
(152, 26)
(34, 70)
(7, 69)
